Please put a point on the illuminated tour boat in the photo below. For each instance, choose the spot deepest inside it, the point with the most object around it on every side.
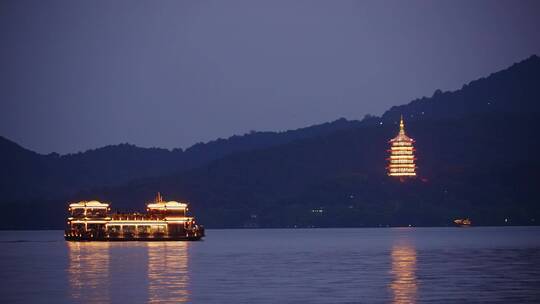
(163, 221)
(401, 160)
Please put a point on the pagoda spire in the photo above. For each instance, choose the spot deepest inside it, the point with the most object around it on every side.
(401, 126)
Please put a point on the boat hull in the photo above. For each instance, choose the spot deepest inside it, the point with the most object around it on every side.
(131, 239)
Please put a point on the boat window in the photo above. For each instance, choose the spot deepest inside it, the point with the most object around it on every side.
(77, 212)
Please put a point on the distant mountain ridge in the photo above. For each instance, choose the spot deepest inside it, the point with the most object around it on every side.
(29, 175)
(473, 148)
(512, 90)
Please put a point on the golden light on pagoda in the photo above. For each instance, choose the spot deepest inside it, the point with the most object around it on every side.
(401, 161)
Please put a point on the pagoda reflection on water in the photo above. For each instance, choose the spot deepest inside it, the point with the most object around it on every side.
(401, 160)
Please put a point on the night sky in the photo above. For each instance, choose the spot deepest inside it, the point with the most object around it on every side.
(76, 75)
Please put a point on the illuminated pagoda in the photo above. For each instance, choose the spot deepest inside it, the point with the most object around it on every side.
(401, 160)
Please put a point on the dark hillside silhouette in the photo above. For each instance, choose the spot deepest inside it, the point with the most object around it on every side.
(29, 175)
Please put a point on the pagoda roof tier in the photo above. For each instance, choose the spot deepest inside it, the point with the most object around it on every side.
(401, 137)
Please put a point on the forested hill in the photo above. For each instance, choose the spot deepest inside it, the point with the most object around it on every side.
(28, 175)
(474, 156)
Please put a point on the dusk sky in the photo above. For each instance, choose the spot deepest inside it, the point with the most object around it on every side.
(76, 75)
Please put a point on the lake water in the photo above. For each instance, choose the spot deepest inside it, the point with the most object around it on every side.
(381, 265)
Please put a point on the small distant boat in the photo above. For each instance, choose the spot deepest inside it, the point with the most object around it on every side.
(163, 221)
(463, 222)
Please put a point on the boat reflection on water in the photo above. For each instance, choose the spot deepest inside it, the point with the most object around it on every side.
(168, 272)
(88, 273)
(404, 285)
(104, 272)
